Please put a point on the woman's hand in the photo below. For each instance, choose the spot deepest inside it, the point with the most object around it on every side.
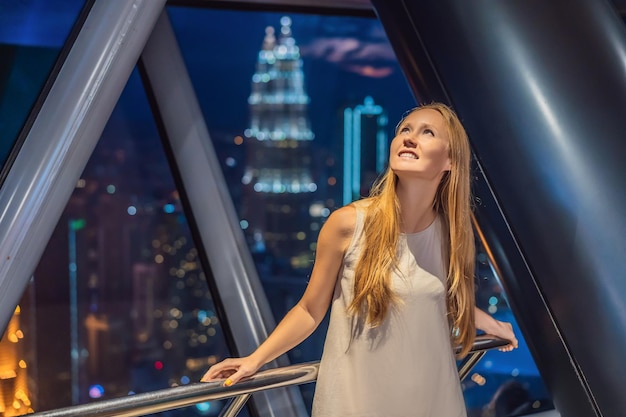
(493, 327)
(232, 370)
(504, 330)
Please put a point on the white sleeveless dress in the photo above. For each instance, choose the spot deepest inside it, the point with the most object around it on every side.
(406, 366)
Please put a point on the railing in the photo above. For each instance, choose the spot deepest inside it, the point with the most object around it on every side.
(172, 398)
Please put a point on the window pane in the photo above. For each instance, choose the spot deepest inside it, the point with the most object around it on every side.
(119, 303)
(32, 33)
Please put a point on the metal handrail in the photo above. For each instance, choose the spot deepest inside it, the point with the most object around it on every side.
(177, 397)
(480, 347)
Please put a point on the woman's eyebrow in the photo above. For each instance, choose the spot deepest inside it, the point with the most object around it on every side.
(404, 124)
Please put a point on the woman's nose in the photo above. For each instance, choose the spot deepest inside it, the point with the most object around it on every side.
(409, 142)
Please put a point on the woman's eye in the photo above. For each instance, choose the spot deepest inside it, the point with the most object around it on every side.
(429, 132)
(404, 130)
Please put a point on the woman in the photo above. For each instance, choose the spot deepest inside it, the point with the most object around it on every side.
(398, 268)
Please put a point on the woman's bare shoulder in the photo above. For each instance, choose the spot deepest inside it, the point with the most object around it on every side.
(336, 234)
(343, 220)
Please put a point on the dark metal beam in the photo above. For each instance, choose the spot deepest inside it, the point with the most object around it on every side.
(620, 7)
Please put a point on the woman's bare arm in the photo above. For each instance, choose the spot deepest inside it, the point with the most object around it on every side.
(304, 318)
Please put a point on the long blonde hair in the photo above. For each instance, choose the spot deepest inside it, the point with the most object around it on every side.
(372, 285)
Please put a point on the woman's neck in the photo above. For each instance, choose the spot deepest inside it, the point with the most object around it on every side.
(416, 205)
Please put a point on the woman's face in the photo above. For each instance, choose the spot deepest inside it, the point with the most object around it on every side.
(421, 146)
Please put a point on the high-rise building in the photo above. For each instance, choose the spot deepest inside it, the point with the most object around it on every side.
(365, 148)
(278, 180)
(14, 390)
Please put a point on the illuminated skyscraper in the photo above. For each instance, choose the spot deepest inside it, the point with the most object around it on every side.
(14, 390)
(278, 183)
(365, 148)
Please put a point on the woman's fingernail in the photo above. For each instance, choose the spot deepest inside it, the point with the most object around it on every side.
(228, 383)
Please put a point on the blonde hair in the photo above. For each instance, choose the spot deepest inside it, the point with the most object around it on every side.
(372, 285)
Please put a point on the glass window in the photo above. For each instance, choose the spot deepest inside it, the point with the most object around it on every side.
(119, 302)
(32, 33)
(300, 109)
